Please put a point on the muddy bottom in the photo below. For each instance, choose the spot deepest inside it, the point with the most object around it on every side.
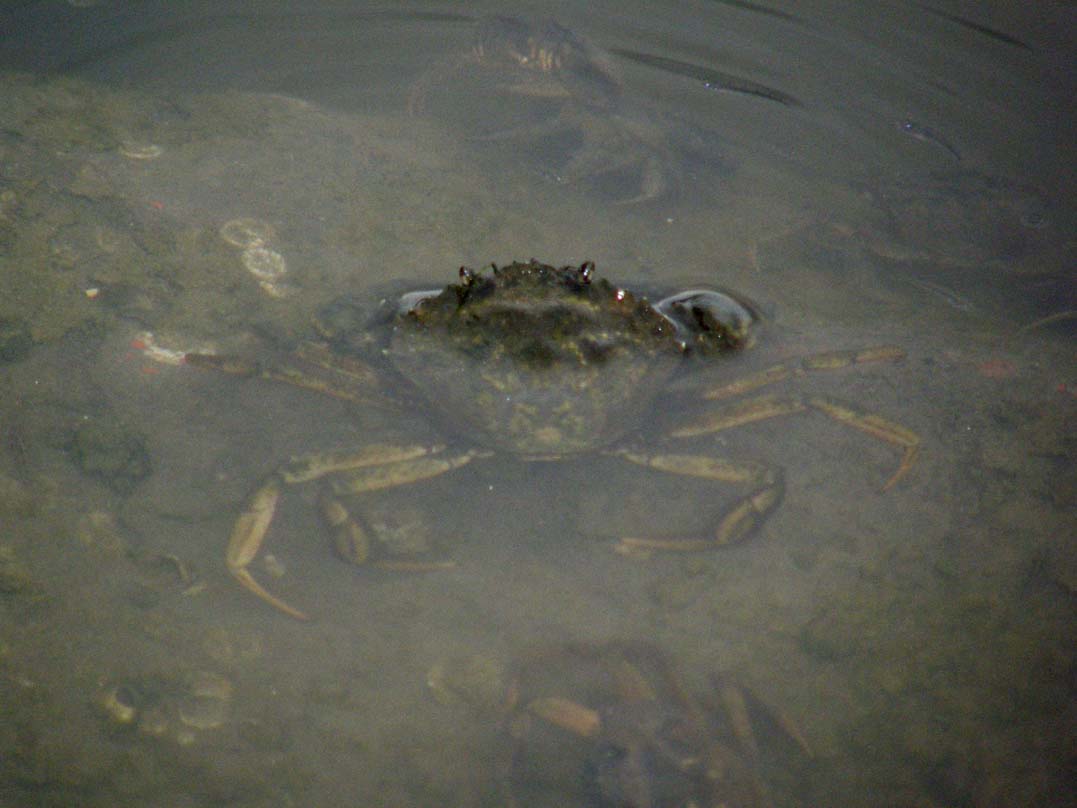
(919, 639)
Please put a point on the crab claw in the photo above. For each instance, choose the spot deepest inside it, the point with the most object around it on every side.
(246, 540)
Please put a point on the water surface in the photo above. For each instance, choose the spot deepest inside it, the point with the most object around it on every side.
(885, 176)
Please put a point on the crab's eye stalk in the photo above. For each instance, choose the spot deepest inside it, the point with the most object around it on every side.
(467, 276)
(411, 303)
(706, 319)
(587, 271)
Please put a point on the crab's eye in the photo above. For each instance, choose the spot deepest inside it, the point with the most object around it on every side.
(410, 301)
(706, 316)
(468, 275)
(587, 270)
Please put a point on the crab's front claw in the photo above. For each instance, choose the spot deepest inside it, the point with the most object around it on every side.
(745, 517)
(741, 520)
(354, 545)
(246, 540)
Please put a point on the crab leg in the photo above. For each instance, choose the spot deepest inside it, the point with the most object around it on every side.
(823, 361)
(745, 412)
(315, 466)
(739, 702)
(351, 540)
(877, 427)
(736, 708)
(313, 367)
(354, 545)
(568, 715)
(385, 466)
(763, 408)
(695, 465)
(247, 535)
(375, 478)
(742, 519)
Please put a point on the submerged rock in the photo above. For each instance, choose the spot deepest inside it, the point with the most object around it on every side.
(114, 455)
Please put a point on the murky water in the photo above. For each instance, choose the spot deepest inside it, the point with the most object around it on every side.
(206, 178)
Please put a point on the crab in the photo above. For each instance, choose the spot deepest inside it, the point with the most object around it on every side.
(558, 99)
(613, 724)
(534, 362)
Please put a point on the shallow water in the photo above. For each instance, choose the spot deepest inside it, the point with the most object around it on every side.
(875, 177)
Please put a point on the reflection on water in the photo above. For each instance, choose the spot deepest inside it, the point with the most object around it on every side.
(537, 95)
(912, 647)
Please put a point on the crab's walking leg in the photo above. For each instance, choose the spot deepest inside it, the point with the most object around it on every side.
(312, 367)
(823, 361)
(738, 701)
(742, 708)
(736, 708)
(568, 715)
(742, 518)
(877, 427)
(741, 413)
(763, 408)
(380, 465)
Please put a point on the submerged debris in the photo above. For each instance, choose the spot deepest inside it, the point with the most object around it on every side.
(115, 455)
(167, 708)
